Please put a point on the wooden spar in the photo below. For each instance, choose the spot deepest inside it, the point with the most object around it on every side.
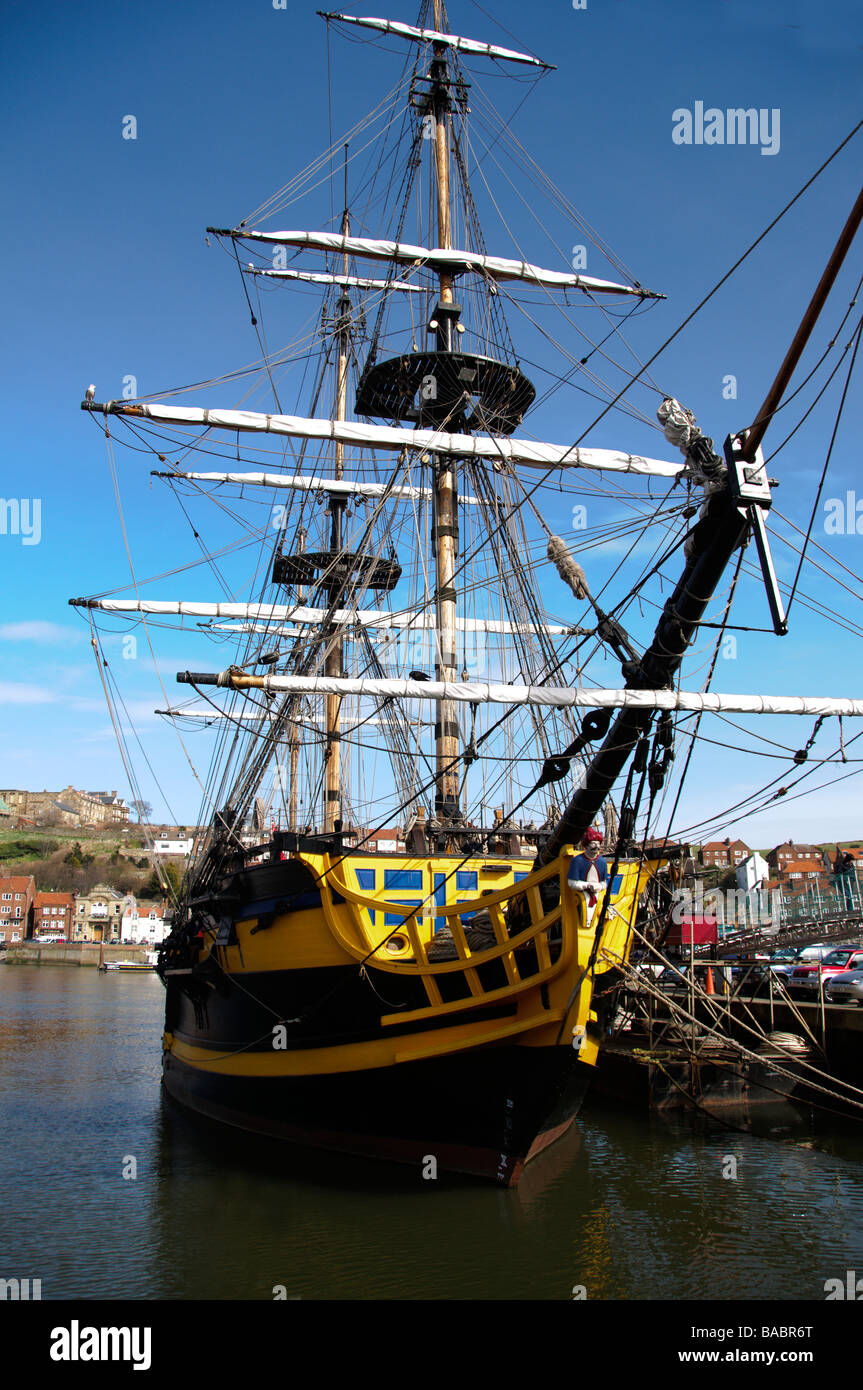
(334, 664)
(756, 432)
(446, 497)
(534, 696)
(717, 542)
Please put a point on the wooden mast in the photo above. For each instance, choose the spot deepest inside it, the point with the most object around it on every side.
(757, 430)
(445, 531)
(334, 665)
(730, 514)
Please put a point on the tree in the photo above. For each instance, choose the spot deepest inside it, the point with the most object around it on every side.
(168, 883)
(143, 810)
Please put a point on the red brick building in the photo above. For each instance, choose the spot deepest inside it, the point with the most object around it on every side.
(52, 914)
(17, 892)
(723, 854)
(801, 871)
(783, 855)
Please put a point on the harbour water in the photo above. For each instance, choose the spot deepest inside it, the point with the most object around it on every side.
(111, 1192)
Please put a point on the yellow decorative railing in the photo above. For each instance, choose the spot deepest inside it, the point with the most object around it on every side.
(552, 935)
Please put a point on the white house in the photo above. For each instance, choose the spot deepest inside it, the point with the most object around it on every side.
(178, 846)
(753, 873)
(143, 923)
(761, 905)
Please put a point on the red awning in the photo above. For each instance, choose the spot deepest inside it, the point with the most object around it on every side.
(698, 931)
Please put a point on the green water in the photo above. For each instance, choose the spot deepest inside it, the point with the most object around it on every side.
(624, 1206)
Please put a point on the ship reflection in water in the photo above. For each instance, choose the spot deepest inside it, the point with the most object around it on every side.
(623, 1206)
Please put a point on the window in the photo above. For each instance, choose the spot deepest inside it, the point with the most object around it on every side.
(7, 897)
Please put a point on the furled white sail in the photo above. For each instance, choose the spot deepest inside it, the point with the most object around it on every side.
(408, 31)
(266, 628)
(322, 278)
(493, 267)
(279, 612)
(411, 621)
(340, 486)
(351, 432)
(481, 692)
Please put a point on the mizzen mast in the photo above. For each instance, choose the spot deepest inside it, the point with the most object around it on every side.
(334, 663)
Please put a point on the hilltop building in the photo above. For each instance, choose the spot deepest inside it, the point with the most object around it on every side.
(67, 807)
(783, 855)
(723, 854)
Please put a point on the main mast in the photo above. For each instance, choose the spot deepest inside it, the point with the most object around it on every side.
(445, 530)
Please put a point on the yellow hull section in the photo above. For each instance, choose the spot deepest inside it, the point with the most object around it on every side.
(381, 913)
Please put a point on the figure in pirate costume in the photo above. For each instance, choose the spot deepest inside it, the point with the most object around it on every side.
(589, 870)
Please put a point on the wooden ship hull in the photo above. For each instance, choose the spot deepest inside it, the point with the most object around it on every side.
(474, 1063)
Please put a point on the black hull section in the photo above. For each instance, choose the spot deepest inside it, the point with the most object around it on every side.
(483, 1112)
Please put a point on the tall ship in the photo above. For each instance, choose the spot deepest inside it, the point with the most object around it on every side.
(425, 808)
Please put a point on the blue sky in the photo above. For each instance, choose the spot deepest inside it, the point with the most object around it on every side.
(108, 275)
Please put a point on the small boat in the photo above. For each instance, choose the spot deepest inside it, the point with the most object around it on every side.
(147, 967)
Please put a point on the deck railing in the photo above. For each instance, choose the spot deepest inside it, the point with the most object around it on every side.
(530, 955)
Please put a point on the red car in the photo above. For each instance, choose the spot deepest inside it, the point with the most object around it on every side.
(809, 978)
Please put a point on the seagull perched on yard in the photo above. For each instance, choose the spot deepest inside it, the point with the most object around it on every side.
(90, 392)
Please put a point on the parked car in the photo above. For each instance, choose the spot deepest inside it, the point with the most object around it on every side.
(757, 979)
(669, 980)
(783, 962)
(802, 955)
(845, 988)
(810, 976)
